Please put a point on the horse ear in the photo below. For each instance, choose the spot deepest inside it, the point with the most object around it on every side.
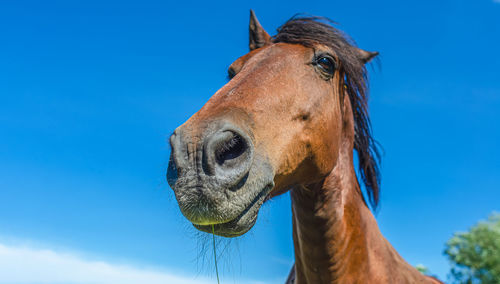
(366, 56)
(258, 36)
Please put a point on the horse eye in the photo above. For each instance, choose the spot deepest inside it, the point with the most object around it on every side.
(326, 64)
(230, 73)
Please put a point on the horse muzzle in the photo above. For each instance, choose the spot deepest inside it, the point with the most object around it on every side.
(217, 177)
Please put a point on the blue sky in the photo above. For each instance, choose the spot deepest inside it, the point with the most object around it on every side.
(90, 91)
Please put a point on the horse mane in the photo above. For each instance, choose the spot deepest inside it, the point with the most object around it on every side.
(309, 31)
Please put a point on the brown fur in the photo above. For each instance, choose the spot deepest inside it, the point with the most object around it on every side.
(308, 127)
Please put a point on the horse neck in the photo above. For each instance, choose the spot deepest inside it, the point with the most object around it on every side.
(336, 237)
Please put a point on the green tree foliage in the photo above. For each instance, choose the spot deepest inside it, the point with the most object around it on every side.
(422, 268)
(475, 255)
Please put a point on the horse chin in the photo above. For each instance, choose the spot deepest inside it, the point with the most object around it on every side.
(243, 222)
(226, 210)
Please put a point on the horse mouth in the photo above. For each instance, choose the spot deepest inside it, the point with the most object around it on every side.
(243, 222)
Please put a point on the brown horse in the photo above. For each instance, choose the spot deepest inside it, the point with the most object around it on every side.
(290, 118)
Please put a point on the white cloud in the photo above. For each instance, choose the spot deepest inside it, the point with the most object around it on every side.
(27, 265)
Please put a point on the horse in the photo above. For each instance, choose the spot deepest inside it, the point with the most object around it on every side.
(290, 118)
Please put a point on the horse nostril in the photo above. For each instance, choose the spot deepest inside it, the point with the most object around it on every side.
(172, 173)
(227, 154)
(229, 148)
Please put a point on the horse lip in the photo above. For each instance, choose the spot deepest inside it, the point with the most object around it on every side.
(262, 196)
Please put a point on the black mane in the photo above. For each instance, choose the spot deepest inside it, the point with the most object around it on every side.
(309, 31)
